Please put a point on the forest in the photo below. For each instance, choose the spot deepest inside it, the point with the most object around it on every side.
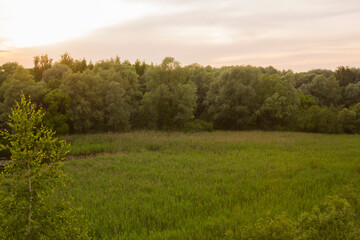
(117, 96)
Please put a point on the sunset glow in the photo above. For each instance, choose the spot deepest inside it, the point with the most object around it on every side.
(299, 35)
(43, 22)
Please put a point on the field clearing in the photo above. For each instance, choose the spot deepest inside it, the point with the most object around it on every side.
(158, 185)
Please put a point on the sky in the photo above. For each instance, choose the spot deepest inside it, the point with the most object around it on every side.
(287, 34)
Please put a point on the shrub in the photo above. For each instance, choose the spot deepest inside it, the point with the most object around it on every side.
(271, 228)
(334, 219)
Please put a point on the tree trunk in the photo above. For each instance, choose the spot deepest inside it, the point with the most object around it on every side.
(30, 199)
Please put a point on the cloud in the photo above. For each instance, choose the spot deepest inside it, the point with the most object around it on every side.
(299, 35)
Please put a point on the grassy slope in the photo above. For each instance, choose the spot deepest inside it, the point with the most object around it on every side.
(180, 186)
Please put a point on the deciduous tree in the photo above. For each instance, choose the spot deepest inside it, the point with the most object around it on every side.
(26, 211)
(40, 65)
(170, 96)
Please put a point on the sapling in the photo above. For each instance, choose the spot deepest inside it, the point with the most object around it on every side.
(28, 208)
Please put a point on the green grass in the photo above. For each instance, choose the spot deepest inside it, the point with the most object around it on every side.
(156, 185)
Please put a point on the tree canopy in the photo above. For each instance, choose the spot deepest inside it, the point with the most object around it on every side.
(116, 95)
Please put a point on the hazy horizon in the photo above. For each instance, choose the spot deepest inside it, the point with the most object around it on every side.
(296, 35)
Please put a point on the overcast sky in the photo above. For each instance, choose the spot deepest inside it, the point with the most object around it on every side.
(287, 34)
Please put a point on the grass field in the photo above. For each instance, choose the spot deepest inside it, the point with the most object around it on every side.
(157, 185)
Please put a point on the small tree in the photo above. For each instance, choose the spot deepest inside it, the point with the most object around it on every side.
(26, 185)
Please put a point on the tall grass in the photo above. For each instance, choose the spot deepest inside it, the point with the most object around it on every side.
(157, 185)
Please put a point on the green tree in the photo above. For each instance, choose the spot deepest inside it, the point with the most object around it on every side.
(26, 211)
(86, 92)
(356, 109)
(54, 75)
(280, 106)
(269, 70)
(20, 80)
(317, 119)
(344, 76)
(352, 94)
(120, 75)
(79, 65)
(56, 104)
(325, 72)
(202, 77)
(75, 65)
(41, 64)
(326, 91)
(231, 98)
(303, 78)
(66, 59)
(347, 120)
(140, 67)
(266, 87)
(6, 70)
(170, 100)
(117, 109)
(307, 101)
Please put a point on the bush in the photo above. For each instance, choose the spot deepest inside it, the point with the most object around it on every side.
(271, 228)
(334, 219)
(352, 194)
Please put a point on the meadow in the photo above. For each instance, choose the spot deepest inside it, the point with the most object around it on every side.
(159, 185)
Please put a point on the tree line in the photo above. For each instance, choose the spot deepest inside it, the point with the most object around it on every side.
(115, 95)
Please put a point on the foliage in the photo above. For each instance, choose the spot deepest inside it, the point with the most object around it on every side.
(86, 91)
(56, 104)
(203, 78)
(352, 94)
(325, 90)
(115, 95)
(3, 152)
(271, 228)
(317, 119)
(118, 110)
(307, 101)
(303, 78)
(140, 67)
(20, 80)
(53, 76)
(231, 98)
(79, 65)
(344, 76)
(170, 98)
(126, 93)
(332, 220)
(28, 183)
(41, 64)
(279, 107)
(6, 70)
(66, 59)
(347, 120)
